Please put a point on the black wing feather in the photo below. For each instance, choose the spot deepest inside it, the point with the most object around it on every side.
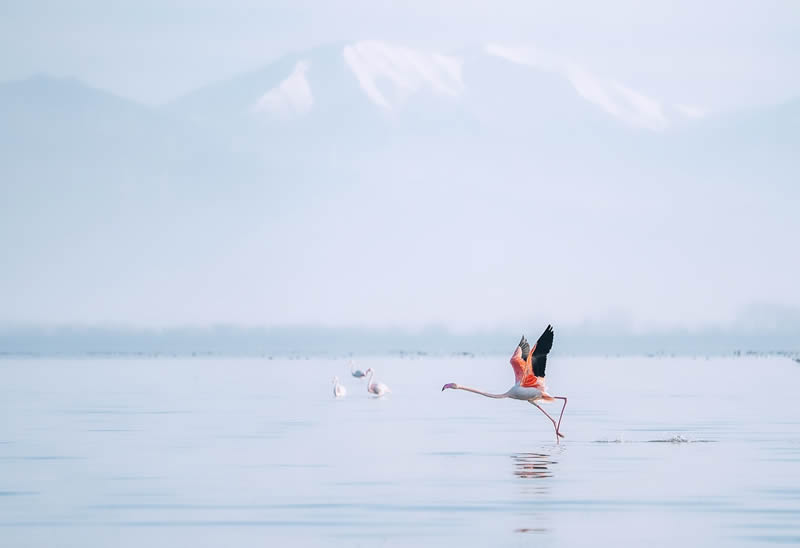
(540, 351)
(526, 348)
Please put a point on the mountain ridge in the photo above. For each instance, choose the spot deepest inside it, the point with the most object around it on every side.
(269, 219)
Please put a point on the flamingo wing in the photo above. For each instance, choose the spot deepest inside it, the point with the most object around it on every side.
(540, 351)
(519, 360)
(532, 362)
(529, 364)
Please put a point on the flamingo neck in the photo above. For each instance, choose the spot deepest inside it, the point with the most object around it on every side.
(369, 380)
(482, 393)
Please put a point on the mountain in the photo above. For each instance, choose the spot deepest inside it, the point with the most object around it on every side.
(374, 80)
(430, 185)
(493, 104)
(96, 187)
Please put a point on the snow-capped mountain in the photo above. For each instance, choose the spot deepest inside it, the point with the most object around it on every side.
(468, 168)
(395, 80)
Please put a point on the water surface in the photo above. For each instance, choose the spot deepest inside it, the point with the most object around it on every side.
(241, 452)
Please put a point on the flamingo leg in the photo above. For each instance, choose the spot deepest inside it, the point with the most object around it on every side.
(558, 428)
(558, 434)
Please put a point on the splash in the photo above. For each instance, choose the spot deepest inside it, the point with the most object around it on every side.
(680, 439)
(618, 439)
(677, 438)
(674, 439)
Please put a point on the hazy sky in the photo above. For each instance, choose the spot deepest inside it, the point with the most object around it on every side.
(716, 54)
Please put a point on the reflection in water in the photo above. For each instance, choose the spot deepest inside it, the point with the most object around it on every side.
(534, 530)
(533, 465)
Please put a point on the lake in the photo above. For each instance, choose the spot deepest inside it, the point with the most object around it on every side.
(244, 452)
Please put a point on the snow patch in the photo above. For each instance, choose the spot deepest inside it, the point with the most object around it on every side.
(622, 102)
(406, 70)
(292, 97)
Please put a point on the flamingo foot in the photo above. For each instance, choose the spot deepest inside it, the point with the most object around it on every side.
(560, 435)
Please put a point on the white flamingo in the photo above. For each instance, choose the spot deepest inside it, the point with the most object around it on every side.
(377, 389)
(528, 364)
(357, 373)
(339, 391)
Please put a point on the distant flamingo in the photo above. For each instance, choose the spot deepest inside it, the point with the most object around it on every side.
(357, 373)
(529, 374)
(378, 388)
(339, 391)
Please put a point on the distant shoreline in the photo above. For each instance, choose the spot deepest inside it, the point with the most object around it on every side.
(795, 356)
(301, 342)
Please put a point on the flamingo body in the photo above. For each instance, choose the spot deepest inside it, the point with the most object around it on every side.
(339, 391)
(527, 393)
(377, 389)
(357, 373)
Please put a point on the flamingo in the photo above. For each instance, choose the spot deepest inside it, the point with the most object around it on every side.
(528, 368)
(378, 388)
(339, 391)
(357, 373)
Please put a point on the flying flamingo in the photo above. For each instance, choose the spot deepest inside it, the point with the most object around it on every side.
(378, 388)
(528, 368)
(357, 373)
(339, 391)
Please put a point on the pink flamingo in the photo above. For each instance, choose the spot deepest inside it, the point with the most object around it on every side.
(357, 373)
(339, 391)
(528, 368)
(377, 389)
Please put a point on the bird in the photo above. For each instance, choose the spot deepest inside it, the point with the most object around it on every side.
(378, 389)
(528, 365)
(357, 373)
(339, 391)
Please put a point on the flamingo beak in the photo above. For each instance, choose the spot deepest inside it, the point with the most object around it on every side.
(449, 385)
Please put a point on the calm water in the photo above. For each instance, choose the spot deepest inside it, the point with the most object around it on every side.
(235, 452)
